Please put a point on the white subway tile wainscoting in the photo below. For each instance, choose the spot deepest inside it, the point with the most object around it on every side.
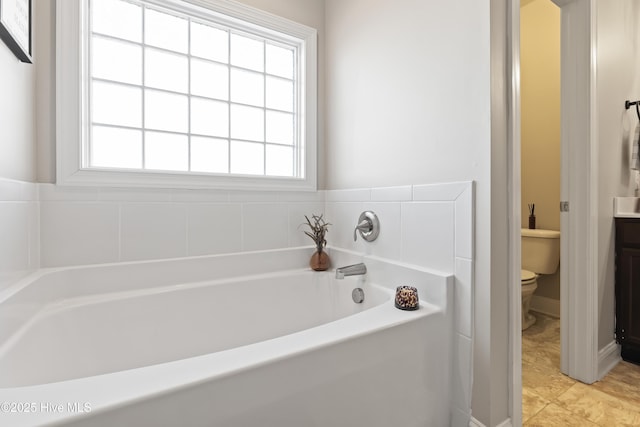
(20, 230)
(102, 225)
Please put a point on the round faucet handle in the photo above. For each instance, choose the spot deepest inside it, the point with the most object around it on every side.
(368, 226)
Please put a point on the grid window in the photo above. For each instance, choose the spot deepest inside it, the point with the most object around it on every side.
(170, 91)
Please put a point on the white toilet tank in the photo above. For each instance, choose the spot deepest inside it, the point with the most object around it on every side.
(540, 250)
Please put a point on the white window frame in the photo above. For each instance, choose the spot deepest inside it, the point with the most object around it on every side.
(72, 81)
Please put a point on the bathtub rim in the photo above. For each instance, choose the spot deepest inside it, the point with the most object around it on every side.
(292, 257)
(27, 297)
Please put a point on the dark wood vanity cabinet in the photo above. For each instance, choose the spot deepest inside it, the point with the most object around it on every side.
(628, 287)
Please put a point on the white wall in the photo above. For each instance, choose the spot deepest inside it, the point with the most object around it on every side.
(18, 197)
(408, 101)
(407, 91)
(45, 19)
(17, 116)
(618, 79)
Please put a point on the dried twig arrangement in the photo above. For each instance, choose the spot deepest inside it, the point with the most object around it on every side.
(319, 227)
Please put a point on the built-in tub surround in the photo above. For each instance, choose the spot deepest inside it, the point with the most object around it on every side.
(247, 339)
(425, 226)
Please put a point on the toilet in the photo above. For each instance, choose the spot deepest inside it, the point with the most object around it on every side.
(540, 255)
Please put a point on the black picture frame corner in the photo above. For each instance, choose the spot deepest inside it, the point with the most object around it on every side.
(16, 26)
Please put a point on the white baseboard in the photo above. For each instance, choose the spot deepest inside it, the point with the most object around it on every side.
(544, 305)
(476, 423)
(608, 357)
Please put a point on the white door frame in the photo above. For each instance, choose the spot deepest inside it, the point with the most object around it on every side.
(515, 220)
(579, 182)
(579, 175)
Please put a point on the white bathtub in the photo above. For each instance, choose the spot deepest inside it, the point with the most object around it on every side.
(236, 340)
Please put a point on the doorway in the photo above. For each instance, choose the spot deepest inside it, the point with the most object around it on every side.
(579, 287)
(540, 145)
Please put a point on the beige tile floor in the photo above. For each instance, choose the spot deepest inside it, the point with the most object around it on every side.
(550, 398)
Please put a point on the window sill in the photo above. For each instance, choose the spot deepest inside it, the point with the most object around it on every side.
(143, 179)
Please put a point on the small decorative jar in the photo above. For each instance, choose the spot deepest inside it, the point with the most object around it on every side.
(406, 298)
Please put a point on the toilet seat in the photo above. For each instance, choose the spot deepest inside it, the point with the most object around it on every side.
(527, 277)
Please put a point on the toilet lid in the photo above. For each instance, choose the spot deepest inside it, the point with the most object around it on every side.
(526, 275)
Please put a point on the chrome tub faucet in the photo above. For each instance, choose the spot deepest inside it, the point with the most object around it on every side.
(351, 270)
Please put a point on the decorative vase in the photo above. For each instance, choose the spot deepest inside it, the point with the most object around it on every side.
(319, 260)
